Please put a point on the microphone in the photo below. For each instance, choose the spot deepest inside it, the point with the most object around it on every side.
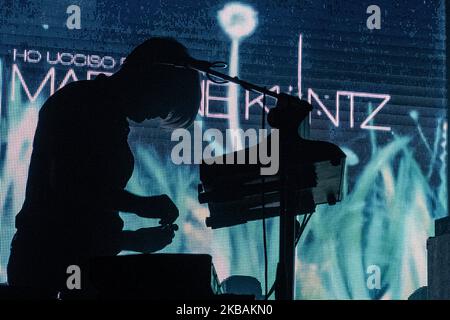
(199, 65)
(191, 63)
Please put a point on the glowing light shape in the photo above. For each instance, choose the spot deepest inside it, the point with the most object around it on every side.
(238, 20)
(414, 115)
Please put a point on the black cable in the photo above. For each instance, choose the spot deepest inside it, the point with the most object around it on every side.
(302, 227)
(305, 221)
(266, 263)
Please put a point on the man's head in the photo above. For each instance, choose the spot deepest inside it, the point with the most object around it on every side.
(153, 89)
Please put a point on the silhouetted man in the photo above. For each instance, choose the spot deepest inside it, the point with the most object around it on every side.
(81, 163)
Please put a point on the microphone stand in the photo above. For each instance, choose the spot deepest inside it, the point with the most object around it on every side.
(287, 116)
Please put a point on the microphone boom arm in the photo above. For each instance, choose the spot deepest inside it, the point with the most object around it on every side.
(281, 115)
(244, 84)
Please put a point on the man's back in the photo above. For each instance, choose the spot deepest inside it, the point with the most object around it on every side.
(80, 151)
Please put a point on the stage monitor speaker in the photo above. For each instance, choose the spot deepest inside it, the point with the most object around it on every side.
(155, 276)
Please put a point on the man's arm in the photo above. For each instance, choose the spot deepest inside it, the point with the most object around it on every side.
(148, 207)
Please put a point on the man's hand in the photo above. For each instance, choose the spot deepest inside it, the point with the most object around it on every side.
(159, 207)
(148, 240)
(168, 210)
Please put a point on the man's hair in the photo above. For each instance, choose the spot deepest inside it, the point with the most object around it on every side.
(178, 88)
(153, 51)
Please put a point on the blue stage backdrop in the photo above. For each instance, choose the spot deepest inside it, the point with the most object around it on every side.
(377, 93)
